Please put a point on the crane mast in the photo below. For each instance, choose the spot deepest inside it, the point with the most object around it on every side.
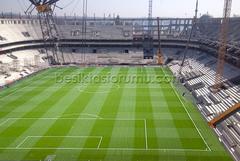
(223, 45)
(45, 10)
(148, 36)
(194, 23)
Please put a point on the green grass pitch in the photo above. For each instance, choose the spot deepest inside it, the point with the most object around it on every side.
(44, 118)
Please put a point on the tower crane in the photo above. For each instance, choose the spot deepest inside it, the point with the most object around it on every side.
(50, 34)
(148, 36)
(223, 45)
(194, 23)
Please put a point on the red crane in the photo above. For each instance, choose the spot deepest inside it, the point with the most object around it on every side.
(223, 45)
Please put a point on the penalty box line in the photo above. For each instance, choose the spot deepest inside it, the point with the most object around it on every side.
(56, 118)
(123, 149)
(26, 138)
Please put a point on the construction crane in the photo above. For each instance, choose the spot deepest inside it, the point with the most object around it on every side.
(226, 114)
(159, 51)
(223, 45)
(51, 37)
(194, 23)
(84, 30)
(148, 36)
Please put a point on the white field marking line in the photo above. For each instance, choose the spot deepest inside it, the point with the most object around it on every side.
(100, 142)
(146, 135)
(132, 149)
(112, 90)
(102, 86)
(52, 136)
(21, 143)
(4, 122)
(120, 149)
(117, 86)
(191, 118)
(83, 114)
(145, 126)
(56, 118)
(98, 92)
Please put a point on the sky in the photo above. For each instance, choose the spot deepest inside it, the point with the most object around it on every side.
(131, 8)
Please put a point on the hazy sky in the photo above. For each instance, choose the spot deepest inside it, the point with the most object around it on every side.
(131, 8)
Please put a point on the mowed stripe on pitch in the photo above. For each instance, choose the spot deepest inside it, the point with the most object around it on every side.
(88, 106)
(108, 110)
(9, 107)
(144, 138)
(21, 84)
(13, 109)
(165, 121)
(62, 104)
(124, 131)
(186, 129)
(36, 111)
(91, 109)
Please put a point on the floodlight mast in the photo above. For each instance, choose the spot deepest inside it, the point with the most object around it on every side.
(51, 37)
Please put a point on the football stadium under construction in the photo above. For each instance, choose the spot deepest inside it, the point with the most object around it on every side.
(81, 88)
